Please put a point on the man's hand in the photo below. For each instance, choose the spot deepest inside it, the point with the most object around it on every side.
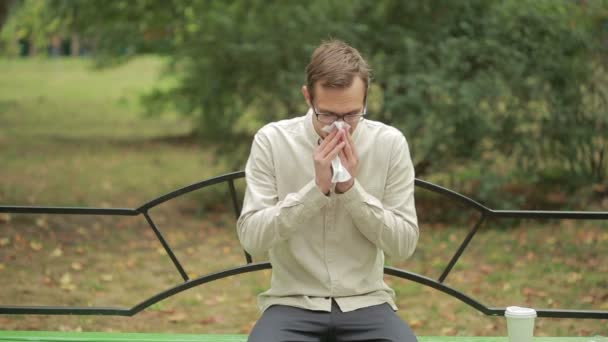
(323, 155)
(350, 160)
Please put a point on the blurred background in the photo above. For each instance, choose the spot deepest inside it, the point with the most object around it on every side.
(113, 103)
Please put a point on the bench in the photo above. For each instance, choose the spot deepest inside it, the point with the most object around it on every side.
(250, 266)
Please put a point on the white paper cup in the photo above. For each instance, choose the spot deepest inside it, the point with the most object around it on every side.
(520, 323)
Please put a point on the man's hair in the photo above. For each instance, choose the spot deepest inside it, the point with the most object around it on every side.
(334, 64)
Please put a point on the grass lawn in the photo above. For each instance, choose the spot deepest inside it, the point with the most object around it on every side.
(71, 136)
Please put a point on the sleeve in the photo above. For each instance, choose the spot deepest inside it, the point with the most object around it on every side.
(391, 224)
(265, 221)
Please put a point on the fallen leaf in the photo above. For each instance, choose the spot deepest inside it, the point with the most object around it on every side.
(35, 245)
(131, 263)
(526, 291)
(161, 251)
(211, 320)
(448, 331)
(65, 282)
(416, 323)
(530, 256)
(4, 242)
(69, 287)
(57, 252)
(42, 223)
(67, 328)
(449, 316)
(177, 317)
(5, 218)
(66, 278)
(491, 327)
(574, 277)
(486, 269)
(246, 329)
(107, 185)
(210, 301)
(76, 266)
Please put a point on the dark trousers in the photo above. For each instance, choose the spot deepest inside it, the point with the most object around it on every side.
(281, 323)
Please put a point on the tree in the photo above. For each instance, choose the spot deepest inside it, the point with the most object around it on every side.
(467, 81)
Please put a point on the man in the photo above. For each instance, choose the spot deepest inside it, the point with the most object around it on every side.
(326, 239)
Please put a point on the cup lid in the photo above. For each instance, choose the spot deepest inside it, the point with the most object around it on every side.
(518, 311)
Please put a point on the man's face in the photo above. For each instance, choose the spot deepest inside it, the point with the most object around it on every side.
(337, 101)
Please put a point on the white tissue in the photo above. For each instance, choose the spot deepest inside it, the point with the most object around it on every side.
(340, 172)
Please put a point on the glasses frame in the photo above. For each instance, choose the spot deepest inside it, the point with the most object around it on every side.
(361, 114)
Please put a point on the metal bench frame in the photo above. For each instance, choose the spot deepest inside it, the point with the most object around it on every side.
(250, 266)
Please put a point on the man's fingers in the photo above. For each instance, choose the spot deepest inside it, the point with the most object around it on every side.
(343, 157)
(330, 143)
(335, 151)
(350, 148)
(348, 151)
(325, 141)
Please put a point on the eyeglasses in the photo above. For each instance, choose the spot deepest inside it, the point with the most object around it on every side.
(331, 118)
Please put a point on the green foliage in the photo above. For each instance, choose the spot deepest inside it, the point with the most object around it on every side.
(466, 81)
(27, 19)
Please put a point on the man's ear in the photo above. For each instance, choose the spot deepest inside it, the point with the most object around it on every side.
(306, 95)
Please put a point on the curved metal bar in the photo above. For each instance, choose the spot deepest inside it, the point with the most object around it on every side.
(198, 281)
(237, 212)
(461, 249)
(546, 214)
(67, 210)
(235, 201)
(490, 311)
(557, 313)
(452, 194)
(420, 279)
(190, 188)
(75, 310)
(166, 246)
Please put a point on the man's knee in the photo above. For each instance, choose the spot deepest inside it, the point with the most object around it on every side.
(284, 323)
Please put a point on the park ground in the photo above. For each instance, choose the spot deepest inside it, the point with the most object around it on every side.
(74, 136)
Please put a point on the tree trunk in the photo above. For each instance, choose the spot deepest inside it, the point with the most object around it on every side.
(4, 6)
(75, 46)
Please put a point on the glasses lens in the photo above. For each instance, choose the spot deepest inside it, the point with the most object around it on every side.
(353, 118)
(324, 118)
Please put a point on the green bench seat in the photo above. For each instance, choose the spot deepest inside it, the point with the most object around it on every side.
(55, 336)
